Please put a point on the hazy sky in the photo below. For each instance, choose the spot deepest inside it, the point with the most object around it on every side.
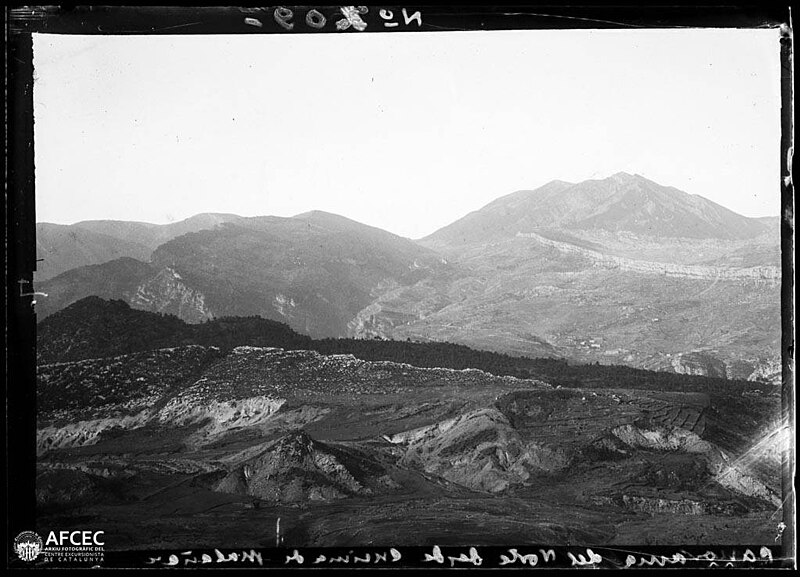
(406, 132)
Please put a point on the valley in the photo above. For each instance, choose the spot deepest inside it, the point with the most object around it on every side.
(520, 295)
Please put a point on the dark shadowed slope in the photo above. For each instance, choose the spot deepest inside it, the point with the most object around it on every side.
(95, 328)
(314, 271)
(116, 279)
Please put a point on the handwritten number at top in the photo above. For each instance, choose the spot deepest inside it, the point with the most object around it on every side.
(351, 18)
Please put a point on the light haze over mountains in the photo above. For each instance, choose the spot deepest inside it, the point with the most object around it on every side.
(619, 270)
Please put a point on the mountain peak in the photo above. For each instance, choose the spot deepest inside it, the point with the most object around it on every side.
(318, 214)
(329, 219)
(626, 177)
(620, 202)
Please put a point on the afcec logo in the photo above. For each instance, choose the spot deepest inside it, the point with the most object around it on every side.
(28, 545)
(75, 538)
(61, 546)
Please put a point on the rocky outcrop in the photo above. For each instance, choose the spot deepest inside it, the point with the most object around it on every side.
(759, 274)
(661, 439)
(278, 373)
(372, 321)
(167, 293)
(698, 363)
(479, 450)
(660, 505)
(114, 387)
(653, 505)
(293, 469)
(712, 363)
(284, 305)
(766, 370)
(217, 417)
(725, 471)
(81, 433)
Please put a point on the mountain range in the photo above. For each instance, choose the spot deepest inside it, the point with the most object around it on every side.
(65, 247)
(619, 271)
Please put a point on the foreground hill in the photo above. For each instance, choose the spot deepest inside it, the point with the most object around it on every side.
(95, 328)
(194, 442)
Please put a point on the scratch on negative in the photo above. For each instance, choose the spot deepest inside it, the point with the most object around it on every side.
(573, 18)
(764, 25)
(780, 509)
(179, 26)
(145, 30)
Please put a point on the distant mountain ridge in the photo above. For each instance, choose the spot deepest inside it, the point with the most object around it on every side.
(314, 271)
(620, 270)
(63, 247)
(622, 202)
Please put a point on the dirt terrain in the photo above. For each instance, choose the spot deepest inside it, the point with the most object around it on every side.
(204, 448)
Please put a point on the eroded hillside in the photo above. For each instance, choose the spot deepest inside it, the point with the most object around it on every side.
(220, 442)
